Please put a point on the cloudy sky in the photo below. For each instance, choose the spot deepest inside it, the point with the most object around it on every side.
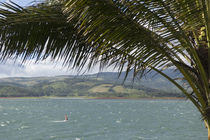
(30, 68)
(20, 2)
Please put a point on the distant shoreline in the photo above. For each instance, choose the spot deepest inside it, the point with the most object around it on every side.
(146, 98)
(86, 97)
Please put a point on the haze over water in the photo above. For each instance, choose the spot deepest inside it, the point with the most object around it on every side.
(42, 119)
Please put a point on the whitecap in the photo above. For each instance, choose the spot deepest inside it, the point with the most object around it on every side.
(60, 121)
(23, 127)
(3, 125)
(77, 139)
(118, 121)
(52, 137)
(143, 138)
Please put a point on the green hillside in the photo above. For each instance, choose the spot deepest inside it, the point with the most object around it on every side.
(96, 85)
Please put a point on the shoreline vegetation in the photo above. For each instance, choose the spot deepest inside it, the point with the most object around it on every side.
(103, 98)
(95, 86)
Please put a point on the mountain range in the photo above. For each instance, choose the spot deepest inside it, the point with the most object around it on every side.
(103, 84)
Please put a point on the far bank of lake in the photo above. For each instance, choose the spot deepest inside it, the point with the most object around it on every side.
(87, 97)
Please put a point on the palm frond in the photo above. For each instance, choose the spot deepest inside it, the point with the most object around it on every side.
(39, 32)
(140, 34)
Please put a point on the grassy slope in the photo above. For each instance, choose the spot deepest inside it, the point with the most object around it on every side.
(100, 85)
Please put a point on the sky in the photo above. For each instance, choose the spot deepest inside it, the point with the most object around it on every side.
(12, 68)
(20, 2)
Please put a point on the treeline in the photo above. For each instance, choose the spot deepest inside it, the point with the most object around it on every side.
(11, 91)
(69, 86)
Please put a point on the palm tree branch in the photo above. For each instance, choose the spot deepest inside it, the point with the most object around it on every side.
(39, 32)
(99, 31)
(182, 89)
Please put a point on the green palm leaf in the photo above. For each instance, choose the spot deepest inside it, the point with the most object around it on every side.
(39, 32)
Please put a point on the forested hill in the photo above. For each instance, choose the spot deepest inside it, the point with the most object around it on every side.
(106, 84)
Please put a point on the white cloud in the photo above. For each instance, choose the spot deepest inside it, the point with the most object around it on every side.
(20, 2)
(42, 68)
(47, 68)
(32, 69)
(10, 68)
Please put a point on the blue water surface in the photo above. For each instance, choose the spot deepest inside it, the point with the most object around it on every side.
(42, 119)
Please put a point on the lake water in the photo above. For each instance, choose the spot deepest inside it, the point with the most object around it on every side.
(42, 119)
